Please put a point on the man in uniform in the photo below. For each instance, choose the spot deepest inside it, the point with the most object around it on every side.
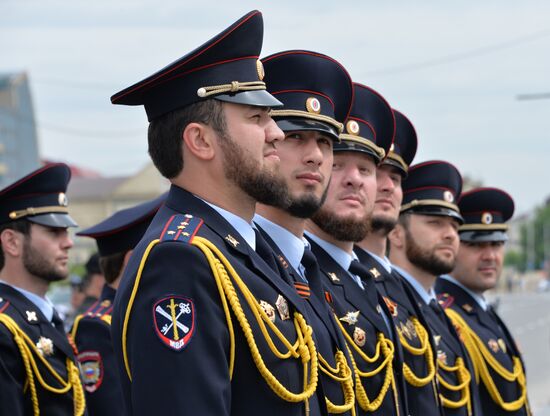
(500, 373)
(38, 372)
(189, 330)
(423, 245)
(316, 92)
(340, 223)
(116, 237)
(414, 335)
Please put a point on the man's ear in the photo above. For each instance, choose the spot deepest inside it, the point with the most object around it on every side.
(396, 236)
(199, 141)
(12, 242)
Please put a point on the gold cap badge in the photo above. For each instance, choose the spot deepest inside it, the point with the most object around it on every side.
(487, 218)
(352, 127)
(313, 105)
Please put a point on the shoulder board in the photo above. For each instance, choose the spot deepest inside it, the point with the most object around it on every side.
(181, 227)
(4, 303)
(445, 300)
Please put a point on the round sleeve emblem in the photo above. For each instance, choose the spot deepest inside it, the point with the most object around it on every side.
(313, 105)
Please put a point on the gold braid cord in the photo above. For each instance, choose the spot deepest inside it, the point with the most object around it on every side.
(29, 354)
(425, 349)
(227, 280)
(463, 378)
(232, 88)
(343, 375)
(385, 349)
(483, 359)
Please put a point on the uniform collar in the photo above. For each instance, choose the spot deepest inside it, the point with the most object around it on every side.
(384, 262)
(426, 296)
(243, 228)
(478, 298)
(291, 246)
(340, 256)
(44, 304)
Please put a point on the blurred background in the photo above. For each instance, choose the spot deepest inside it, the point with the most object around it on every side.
(474, 78)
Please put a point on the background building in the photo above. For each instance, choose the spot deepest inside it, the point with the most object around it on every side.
(18, 140)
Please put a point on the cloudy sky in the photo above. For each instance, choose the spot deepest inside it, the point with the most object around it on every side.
(454, 69)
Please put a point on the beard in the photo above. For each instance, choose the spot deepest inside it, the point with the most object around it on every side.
(306, 205)
(342, 229)
(261, 185)
(38, 265)
(425, 259)
(382, 224)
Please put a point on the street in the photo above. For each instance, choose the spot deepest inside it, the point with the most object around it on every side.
(528, 318)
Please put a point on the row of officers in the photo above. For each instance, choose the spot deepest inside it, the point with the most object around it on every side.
(298, 265)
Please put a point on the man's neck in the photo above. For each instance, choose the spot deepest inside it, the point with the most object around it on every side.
(426, 279)
(313, 228)
(221, 193)
(375, 243)
(282, 218)
(23, 280)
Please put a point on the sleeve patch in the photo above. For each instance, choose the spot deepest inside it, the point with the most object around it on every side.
(92, 369)
(174, 321)
(181, 227)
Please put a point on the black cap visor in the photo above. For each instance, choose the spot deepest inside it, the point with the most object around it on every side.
(438, 211)
(483, 236)
(53, 219)
(346, 146)
(304, 124)
(391, 162)
(257, 98)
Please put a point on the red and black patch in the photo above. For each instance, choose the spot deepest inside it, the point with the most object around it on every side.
(174, 321)
(91, 366)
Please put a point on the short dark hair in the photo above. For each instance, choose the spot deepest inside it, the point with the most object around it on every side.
(22, 225)
(165, 133)
(111, 265)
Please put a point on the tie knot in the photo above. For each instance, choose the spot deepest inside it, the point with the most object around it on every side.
(308, 258)
(356, 268)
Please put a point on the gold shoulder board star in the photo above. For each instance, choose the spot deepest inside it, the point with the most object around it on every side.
(467, 307)
(333, 277)
(31, 316)
(232, 240)
(437, 339)
(350, 318)
(374, 271)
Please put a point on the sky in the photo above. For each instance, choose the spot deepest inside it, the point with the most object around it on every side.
(455, 69)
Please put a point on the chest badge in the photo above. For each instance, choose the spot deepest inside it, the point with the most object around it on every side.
(350, 318)
(282, 308)
(232, 240)
(493, 345)
(359, 336)
(44, 346)
(268, 309)
(502, 345)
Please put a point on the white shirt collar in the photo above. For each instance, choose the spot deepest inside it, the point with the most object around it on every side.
(243, 228)
(343, 258)
(426, 296)
(43, 303)
(477, 297)
(290, 245)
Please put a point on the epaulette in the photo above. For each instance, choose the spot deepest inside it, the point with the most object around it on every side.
(4, 303)
(445, 300)
(181, 227)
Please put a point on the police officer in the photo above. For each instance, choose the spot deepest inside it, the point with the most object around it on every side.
(497, 360)
(316, 92)
(38, 372)
(423, 245)
(334, 229)
(413, 332)
(189, 330)
(116, 237)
